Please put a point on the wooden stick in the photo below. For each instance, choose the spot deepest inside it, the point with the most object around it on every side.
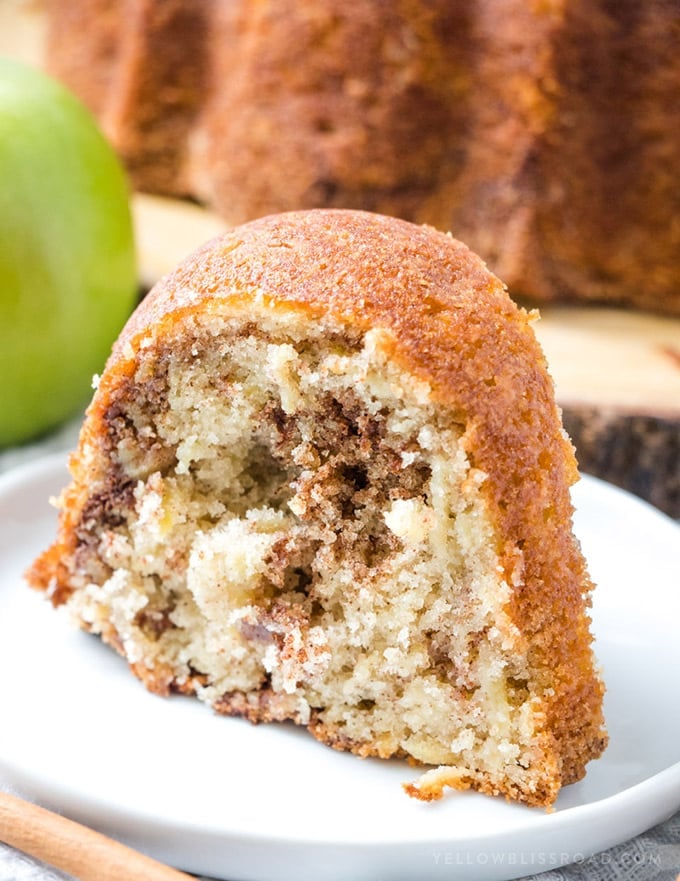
(75, 849)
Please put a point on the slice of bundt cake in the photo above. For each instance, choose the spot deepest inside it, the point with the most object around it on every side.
(323, 478)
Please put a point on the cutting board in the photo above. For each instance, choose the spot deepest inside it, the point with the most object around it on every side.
(616, 371)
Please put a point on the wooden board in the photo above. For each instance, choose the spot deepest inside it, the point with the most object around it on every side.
(616, 371)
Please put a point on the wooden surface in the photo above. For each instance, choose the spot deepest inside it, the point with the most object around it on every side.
(616, 371)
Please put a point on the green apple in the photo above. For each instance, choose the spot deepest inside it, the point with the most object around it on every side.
(67, 265)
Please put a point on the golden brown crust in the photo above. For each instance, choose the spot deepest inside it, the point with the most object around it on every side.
(91, 68)
(540, 133)
(102, 50)
(453, 326)
(375, 137)
(607, 223)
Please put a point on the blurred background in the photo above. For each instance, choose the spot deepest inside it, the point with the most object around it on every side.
(562, 175)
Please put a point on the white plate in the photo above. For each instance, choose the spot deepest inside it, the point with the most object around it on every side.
(222, 797)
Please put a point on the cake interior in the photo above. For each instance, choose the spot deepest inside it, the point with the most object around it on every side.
(294, 531)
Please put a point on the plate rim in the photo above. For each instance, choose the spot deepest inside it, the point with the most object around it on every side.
(665, 782)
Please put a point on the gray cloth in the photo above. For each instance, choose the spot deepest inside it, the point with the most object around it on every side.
(653, 856)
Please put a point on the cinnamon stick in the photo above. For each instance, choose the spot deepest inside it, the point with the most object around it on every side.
(81, 852)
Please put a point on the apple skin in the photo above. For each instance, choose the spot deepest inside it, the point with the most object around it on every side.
(68, 278)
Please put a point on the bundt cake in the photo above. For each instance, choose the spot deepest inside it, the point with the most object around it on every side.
(323, 478)
(544, 134)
